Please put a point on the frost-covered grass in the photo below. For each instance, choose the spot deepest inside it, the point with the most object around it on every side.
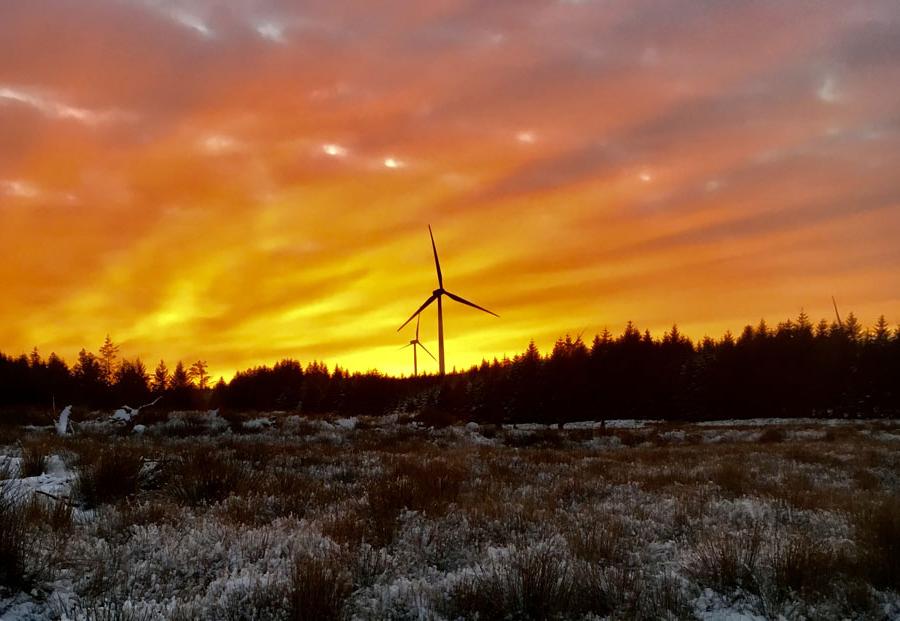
(203, 517)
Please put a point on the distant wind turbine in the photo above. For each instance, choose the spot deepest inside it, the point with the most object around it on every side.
(437, 294)
(417, 343)
(837, 314)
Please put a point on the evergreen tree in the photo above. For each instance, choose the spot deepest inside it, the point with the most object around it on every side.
(34, 359)
(160, 378)
(199, 373)
(882, 333)
(852, 328)
(181, 391)
(179, 379)
(88, 376)
(109, 352)
(132, 382)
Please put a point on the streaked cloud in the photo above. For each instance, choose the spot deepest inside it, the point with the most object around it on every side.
(55, 108)
(828, 90)
(19, 189)
(218, 144)
(271, 31)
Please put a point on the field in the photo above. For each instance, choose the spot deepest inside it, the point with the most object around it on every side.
(281, 517)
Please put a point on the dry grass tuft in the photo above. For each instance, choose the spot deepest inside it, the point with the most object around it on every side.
(727, 561)
(114, 475)
(53, 514)
(34, 460)
(201, 476)
(771, 435)
(878, 538)
(532, 584)
(320, 586)
(662, 598)
(14, 536)
(731, 479)
(429, 487)
(801, 565)
(599, 542)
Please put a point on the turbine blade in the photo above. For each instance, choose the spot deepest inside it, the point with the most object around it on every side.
(404, 347)
(418, 321)
(426, 351)
(437, 263)
(840, 323)
(431, 299)
(468, 303)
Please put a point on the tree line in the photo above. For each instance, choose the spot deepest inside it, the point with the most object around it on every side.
(793, 369)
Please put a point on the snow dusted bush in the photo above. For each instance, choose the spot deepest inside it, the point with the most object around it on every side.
(533, 583)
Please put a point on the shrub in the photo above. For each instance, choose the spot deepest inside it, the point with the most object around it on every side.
(34, 460)
(771, 435)
(531, 584)
(801, 565)
(601, 589)
(731, 478)
(55, 514)
(13, 540)
(113, 476)
(319, 588)
(259, 600)
(728, 561)
(428, 487)
(202, 476)
(599, 542)
(663, 598)
(878, 538)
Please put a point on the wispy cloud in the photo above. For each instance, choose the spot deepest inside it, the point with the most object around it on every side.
(53, 107)
(19, 189)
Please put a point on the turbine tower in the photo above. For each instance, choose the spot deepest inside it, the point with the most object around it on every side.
(438, 294)
(417, 343)
(837, 314)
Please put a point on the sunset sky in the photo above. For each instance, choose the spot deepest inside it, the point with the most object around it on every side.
(243, 181)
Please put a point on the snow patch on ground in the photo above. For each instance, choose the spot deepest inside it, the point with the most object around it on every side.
(712, 606)
(56, 480)
(768, 422)
(258, 424)
(346, 423)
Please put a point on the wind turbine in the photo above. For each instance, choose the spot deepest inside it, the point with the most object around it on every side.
(438, 294)
(417, 343)
(840, 323)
